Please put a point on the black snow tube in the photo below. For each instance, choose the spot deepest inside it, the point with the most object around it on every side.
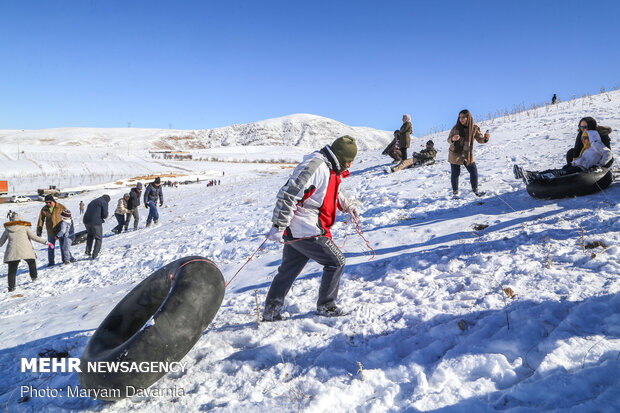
(160, 320)
(576, 184)
(80, 237)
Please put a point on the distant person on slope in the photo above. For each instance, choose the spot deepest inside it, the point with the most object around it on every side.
(133, 205)
(397, 149)
(82, 206)
(461, 141)
(554, 99)
(594, 153)
(585, 124)
(151, 195)
(120, 212)
(303, 215)
(425, 156)
(19, 235)
(95, 216)
(50, 216)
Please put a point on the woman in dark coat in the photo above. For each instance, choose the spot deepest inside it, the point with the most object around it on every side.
(587, 123)
(397, 149)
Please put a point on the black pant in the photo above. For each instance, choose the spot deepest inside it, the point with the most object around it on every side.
(403, 152)
(94, 233)
(456, 172)
(32, 267)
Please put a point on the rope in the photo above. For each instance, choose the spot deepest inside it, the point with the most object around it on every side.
(358, 228)
(188, 262)
(260, 248)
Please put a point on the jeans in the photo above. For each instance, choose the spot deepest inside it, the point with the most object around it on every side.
(32, 267)
(153, 214)
(65, 249)
(50, 251)
(294, 257)
(456, 172)
(120, 218)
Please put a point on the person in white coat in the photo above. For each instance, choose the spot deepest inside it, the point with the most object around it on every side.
(20, 236)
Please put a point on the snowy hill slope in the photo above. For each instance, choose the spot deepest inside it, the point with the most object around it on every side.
(67, 156)
(293, 130)
(430, 327)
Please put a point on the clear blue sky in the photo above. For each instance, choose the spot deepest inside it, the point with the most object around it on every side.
(205, 64)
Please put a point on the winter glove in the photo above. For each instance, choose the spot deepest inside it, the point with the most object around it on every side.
(146, 206)
(50, 245)
(354, 214)
(275, 234)
(39, 232)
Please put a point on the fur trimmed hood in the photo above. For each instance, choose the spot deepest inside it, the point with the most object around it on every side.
(17, 223)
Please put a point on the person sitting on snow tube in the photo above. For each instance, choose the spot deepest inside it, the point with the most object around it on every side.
(585, 124)
(594, 153)
(424, 157)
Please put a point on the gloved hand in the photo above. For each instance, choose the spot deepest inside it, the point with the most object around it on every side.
(275, 234)
(39, 232)
(354, 214)
(50, 245)
(146, 206)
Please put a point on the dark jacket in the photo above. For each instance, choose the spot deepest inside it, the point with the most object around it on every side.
(604, 131)
(404, 135)
(134, 199)
(425, 155)
(152, 193)
(96, 212)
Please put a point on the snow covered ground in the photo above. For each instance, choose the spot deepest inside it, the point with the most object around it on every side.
(430, 327)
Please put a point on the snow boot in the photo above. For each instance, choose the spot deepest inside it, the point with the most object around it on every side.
(517, 171)
(332, 311)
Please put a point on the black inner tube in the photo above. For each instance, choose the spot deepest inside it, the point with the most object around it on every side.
(160, 320)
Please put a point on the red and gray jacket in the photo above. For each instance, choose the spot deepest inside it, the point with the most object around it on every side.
(307, 203)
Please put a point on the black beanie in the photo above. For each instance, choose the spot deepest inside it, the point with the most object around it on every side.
(106, 197)
(431, 143)
(49, 197)
(157, 180)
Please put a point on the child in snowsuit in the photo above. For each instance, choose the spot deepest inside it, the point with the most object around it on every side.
(66, 236)
(425, 156)
(19, 235)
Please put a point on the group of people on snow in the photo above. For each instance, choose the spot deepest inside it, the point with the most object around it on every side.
(306, 205)
(59, 226)
(592, 148)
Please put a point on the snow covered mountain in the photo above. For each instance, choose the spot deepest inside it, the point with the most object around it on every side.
(68, 157)
(500, 303)
(308, 131)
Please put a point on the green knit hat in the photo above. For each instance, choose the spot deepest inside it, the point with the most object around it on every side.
(345, 150)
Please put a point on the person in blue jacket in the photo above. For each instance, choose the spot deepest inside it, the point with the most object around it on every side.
(151, 195)
(94, 217)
